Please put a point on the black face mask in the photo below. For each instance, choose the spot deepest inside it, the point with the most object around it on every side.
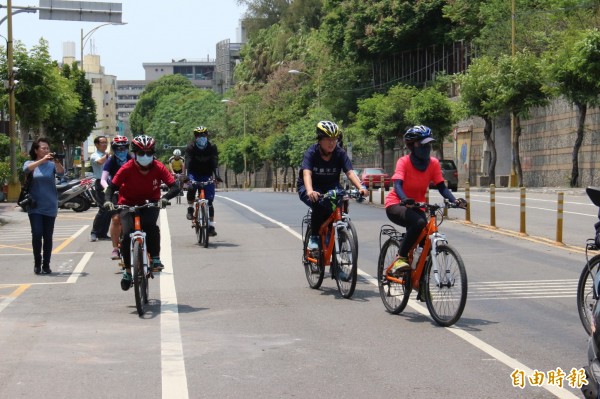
(420, 156)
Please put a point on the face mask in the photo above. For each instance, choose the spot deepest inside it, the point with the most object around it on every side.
(121, 155)
(422, 152)
(144, 160)
(201, 142)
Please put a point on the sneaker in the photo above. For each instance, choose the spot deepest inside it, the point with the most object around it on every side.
(126, 281)
(211, 231)
(400, 266)
(190, 213)
(313, 243)
(93, 237)
(157, 265)
(46, 270)
(37, 269)
(103, 238)
(116, 254)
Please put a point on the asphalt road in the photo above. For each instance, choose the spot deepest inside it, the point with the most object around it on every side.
(238, 320)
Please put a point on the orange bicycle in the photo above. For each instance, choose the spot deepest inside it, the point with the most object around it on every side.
(437, 270)
(336, 247)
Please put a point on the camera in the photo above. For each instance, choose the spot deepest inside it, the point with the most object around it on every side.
(28, 202)
(58, 156)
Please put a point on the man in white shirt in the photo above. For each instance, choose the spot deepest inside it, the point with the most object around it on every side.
(102, 219)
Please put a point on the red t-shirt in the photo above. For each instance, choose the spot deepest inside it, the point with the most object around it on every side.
(135, 188)
(415, 183)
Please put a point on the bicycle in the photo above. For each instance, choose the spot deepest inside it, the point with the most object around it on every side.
(140, 259)
(346, 218)
(179, 181)
(336, 247)
(587, 287)
(436, 273)
(200, 220)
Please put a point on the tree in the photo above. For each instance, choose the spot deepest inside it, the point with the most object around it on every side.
(383, 117)
(478, 93)
(520, 87)
(432, 108)
(142, 114)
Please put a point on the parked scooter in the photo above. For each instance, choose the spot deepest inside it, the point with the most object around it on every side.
(76, 194)
(592, 370)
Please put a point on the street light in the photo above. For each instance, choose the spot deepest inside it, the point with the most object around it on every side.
(228, 101)
(83, 42)
(297, 72)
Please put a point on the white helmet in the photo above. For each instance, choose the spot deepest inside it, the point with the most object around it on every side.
(177, 153)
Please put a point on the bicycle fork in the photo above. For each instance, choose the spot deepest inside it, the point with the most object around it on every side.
(443, 279)
(140, 236)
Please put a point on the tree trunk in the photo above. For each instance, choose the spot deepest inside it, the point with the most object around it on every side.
(487, 133)
(580, 126)
(516, 147)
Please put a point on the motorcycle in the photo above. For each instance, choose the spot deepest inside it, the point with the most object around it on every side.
(76, 194)
(592, 370)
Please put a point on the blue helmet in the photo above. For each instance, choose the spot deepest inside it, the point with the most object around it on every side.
(419, 133)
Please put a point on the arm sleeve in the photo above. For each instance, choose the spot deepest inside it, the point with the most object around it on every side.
(445, 192)
(398, 189)
(104, 179)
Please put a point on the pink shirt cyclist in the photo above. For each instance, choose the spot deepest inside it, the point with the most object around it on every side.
(411, 182)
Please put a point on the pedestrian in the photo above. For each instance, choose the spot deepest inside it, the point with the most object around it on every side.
(102, 219)
(42, 210)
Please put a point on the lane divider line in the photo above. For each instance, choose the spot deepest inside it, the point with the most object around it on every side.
(469, 338)
(79, 268)
(174, 379)
(13, 295)
(69, 240)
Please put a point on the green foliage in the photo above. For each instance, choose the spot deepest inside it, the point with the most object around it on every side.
(478, 89)
(4, 146)
(230, 154)
(142, 114)
(434, 109)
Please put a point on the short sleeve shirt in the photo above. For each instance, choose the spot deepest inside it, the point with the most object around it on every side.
(96, 167)
(43, 189)
(136, 188)
(415, 182)
(325, 174)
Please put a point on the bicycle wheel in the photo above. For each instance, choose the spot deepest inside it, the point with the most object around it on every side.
(140, 283)
(393, 295)
(585, 292)
(345, 264)
(445, 287)
(198, 225)
(354, 236)
(205, 236)
(314, 270)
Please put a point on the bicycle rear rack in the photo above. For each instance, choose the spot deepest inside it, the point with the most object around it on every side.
(391, 232)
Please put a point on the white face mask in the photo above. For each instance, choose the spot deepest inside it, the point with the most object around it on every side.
(144, 160)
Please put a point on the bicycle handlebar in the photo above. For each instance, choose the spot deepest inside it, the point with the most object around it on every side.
(342, 193)
(199, 184)
(133, 208)
(434, 207)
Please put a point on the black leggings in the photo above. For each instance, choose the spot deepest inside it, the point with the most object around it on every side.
(414, 219)
(148, 219)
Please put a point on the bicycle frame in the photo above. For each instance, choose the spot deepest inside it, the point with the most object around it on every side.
(200, 199)
(329, 229)
(139, 236)
(430, 237)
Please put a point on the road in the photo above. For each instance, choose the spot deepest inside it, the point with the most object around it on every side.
(238, 319)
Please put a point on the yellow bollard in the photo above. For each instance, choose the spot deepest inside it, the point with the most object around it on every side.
(370, 189)
(522, 221)
(559, 217)
(468, 199)
(492, 205)
(382, 191)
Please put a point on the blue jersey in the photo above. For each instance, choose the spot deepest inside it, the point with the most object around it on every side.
(325, 174)
(43, 188)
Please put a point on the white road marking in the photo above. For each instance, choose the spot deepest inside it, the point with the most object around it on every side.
(174, 379)
(469, 338)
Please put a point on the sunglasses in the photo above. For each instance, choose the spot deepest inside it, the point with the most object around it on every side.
(148, 153)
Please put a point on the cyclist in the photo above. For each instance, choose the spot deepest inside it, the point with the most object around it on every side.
(411, 182)
(201, 163)
(176, 163)
(120, 156)
(139, 181)
(320, 172)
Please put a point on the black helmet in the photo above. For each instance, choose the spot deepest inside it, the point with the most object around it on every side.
(418, 133)
(328, 129)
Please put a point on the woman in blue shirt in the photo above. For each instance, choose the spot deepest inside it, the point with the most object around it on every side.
(43, 167)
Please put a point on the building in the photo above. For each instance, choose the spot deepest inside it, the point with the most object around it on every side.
(199, 72)
(128, 94)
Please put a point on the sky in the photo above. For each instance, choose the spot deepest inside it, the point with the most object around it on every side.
(156, 31)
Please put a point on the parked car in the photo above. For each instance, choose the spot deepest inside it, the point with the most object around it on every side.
(376, 174)
(450, 174)
(346, 183)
